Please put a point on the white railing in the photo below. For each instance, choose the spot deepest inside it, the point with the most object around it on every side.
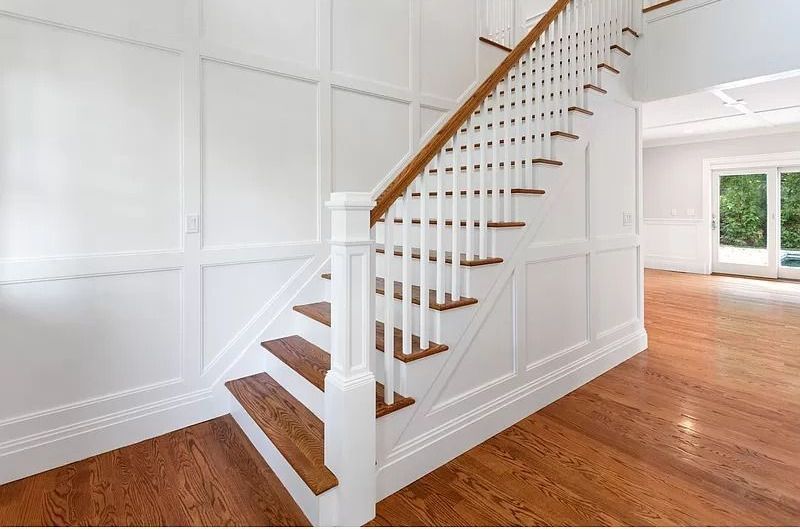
(497, 150)
(498, 21)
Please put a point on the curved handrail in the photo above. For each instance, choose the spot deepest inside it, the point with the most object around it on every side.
(439, 140)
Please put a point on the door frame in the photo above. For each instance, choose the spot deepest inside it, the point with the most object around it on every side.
(785, 272)
(770, 270)
(777, 161)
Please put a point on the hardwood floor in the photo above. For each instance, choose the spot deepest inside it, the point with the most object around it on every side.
(701, 429)
(208, 474)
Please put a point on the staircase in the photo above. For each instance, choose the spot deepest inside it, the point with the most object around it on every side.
(409, 271)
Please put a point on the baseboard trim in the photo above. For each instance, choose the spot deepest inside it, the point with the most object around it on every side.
(35, 454)
(412, 460)
(676, 265)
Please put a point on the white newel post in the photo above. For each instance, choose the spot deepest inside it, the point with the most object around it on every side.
(350, 384)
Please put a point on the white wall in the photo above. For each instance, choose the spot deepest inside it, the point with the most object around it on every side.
(119, 119)
(673, 180)
(697, 44)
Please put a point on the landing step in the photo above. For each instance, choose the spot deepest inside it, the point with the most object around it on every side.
(449, 302)
(295, 431)
(448, 257)
(321, 312)
(477, 192)
(463, 223)
(312, 363)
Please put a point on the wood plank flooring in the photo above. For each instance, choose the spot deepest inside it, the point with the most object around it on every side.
(701, 429)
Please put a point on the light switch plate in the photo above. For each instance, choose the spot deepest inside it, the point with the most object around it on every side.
(674, 212)
(192, 224)
(627, 219)
(690, 212)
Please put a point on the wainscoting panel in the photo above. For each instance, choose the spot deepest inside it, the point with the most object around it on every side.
(614, 289)
(76, 339)
(373, 133)
(557, 311)
(676, 244)
(448, 49)
(90, 148)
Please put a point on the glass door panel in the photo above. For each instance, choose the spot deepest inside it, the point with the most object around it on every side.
(789, 258)
(744, 243)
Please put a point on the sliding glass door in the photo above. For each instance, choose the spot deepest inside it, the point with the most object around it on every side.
(789, 258)
(756, 222)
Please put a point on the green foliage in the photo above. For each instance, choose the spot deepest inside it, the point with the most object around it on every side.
(790, 211)
(743, 211)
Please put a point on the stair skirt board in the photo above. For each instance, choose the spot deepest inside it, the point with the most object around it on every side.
(413, 459)
(318, 509)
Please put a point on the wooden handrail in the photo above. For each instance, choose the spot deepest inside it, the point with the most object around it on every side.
(439, 140)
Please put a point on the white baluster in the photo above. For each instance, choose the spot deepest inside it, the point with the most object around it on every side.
(440, 175)
(523, 111)
(496, 149)
(561, 70)
(388, 306)
(423, 260)
(406, 272)
(532, 115)
(582, 28)
(507, 140)
(469, 230)
(482, 139)
(456, 226)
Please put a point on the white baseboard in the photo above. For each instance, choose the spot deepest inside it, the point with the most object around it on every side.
(676, 265)
(49, 450)
(431, 453)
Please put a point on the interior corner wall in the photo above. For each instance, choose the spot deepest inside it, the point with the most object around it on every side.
(697, 44)
(121, 119)
(673, 180)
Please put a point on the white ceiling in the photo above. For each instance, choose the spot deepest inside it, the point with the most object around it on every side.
(759, 106)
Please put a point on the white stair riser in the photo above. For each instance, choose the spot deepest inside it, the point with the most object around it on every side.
(303, 390)
(475, 281)
(518, 205)
(498, 240)
(444, 326)
(318, 509)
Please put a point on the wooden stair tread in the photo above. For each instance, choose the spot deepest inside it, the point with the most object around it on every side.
(415, 254)
(477, 192)
(631, 31)
(313, 363)
(295, 431)
(321, 312)
(416, 299)
(581, 111)
(449, 222)
(495, 44)
(595, 88)
(608, 67)
(564, 134)
(620, 49)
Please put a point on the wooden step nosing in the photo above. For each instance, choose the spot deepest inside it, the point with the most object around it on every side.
(324, 319)
(432, 257)
(315, 475)
(317, 363)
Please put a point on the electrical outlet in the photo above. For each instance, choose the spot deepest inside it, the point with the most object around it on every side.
(690, 212)
(674, 212)
(627, 219)
(192, 224)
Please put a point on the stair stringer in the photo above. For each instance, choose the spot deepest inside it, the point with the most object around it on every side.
(440, 427)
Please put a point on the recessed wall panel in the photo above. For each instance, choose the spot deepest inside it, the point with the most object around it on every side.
(371, 137)
(371, 40)
(448, 47)
(279, 30)
(556, 306)
(260, 157)
(615, 276)
(234, 294)
(65, 341)
(90, 145)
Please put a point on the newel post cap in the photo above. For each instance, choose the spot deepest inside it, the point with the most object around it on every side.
(350, 200)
